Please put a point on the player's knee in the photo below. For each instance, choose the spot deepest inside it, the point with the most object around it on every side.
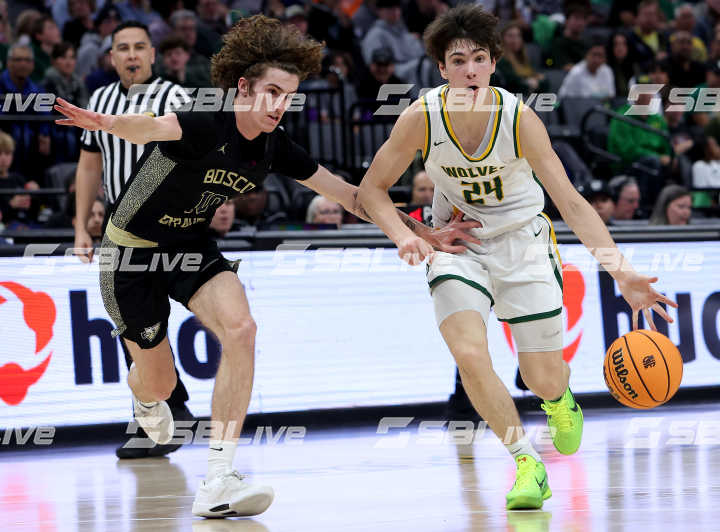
(239, 332)
(472, 357)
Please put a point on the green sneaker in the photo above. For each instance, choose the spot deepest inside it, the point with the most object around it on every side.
(531, 485)
(566, 417)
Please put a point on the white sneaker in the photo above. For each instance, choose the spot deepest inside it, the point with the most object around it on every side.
(157, 421)
(230, 496)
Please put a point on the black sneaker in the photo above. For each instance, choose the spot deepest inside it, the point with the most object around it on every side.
(179, 414)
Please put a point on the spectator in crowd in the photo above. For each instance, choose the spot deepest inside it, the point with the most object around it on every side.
(708, 16)
(138, 10)
(381, 71)
(599, 195)
(513, 68)
(16, 210)
(61, 81)
(635, 145)
(104, 73)
(621, 62)
(568, 48)
(329, 24)
(295, 15)
(646, 41)
(201, 40)
(6, 33)
(704, 108)
(91, 43)
(390, 31)
(31, 137)
(420, 13)
(223, 219)
(81, 12)
(423, 189)
(24, 25)
(174, 66)
(673, 206)
(626, 194)
(95, 221)
(251, 208)
(45, 35)
(685, 21)
(706, 171)
(184, 25)
(60, 78)
(324, 211)
(684, 72)
(364, 17)
(591, 77)
(212, 14)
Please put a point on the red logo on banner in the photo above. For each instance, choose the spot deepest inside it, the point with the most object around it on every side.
(573, 295)
(38, 313)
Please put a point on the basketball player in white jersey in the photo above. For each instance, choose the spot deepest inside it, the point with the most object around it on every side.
(490, 158)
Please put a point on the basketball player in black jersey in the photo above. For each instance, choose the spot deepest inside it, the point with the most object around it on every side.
(197, 161)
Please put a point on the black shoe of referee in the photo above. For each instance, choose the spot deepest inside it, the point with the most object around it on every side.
(179, 414)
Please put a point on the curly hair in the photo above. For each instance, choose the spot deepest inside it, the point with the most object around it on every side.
(467, 22)
(259, 42)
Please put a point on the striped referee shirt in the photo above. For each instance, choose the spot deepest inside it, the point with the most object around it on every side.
(119, 156)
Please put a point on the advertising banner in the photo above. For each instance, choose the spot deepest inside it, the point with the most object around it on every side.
(336, 328)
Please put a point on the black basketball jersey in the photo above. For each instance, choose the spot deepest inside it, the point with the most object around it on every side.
(176, 186)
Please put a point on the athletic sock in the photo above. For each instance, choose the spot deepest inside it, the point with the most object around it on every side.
(220, 457)
(148, 405)
(522, 446)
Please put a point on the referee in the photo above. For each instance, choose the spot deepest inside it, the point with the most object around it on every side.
(107, 158)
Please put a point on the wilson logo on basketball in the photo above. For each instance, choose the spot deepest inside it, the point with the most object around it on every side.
(573, 296)
(28, 318)
(622, 373)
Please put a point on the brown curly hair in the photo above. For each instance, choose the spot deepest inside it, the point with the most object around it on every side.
(256, 43)
(467, 22)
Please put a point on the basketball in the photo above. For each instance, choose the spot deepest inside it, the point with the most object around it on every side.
(643, 369)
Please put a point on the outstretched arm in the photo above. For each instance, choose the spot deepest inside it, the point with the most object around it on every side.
(584, 221)
(333, 187)
(138, 129)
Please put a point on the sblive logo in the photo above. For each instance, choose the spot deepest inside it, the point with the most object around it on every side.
(27, 317)
(573, 296)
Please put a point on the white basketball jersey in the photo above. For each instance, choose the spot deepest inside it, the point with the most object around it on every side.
(495, 185)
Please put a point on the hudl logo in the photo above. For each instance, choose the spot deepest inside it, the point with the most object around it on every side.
(27, 318)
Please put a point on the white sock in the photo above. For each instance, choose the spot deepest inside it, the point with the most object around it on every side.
(220, 457)
(522, 446)
(148, 405)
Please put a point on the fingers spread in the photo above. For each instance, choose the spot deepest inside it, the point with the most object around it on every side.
(634, 320)
(661, 311)
(649, 319)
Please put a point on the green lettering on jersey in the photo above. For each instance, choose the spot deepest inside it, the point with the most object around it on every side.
(449, 170)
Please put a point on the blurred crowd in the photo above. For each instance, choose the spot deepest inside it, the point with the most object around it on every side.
(662, 166)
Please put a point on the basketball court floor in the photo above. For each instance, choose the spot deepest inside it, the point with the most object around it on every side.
(637, 471)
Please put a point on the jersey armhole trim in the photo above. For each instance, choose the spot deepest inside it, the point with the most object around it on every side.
(426, 114)
(516, 130)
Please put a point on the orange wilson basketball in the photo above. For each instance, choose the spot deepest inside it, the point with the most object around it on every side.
(643, 369)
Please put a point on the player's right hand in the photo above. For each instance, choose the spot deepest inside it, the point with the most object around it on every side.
(414, 250)
(83, 245)
(79, 117)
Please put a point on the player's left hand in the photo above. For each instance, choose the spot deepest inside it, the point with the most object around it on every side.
(81, 118)
(448, 238)
(640, 295)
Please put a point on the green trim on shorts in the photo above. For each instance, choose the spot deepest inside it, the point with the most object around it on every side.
(468, 282)
(533, 317)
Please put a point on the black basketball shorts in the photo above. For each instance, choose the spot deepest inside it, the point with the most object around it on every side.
(136, 283)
